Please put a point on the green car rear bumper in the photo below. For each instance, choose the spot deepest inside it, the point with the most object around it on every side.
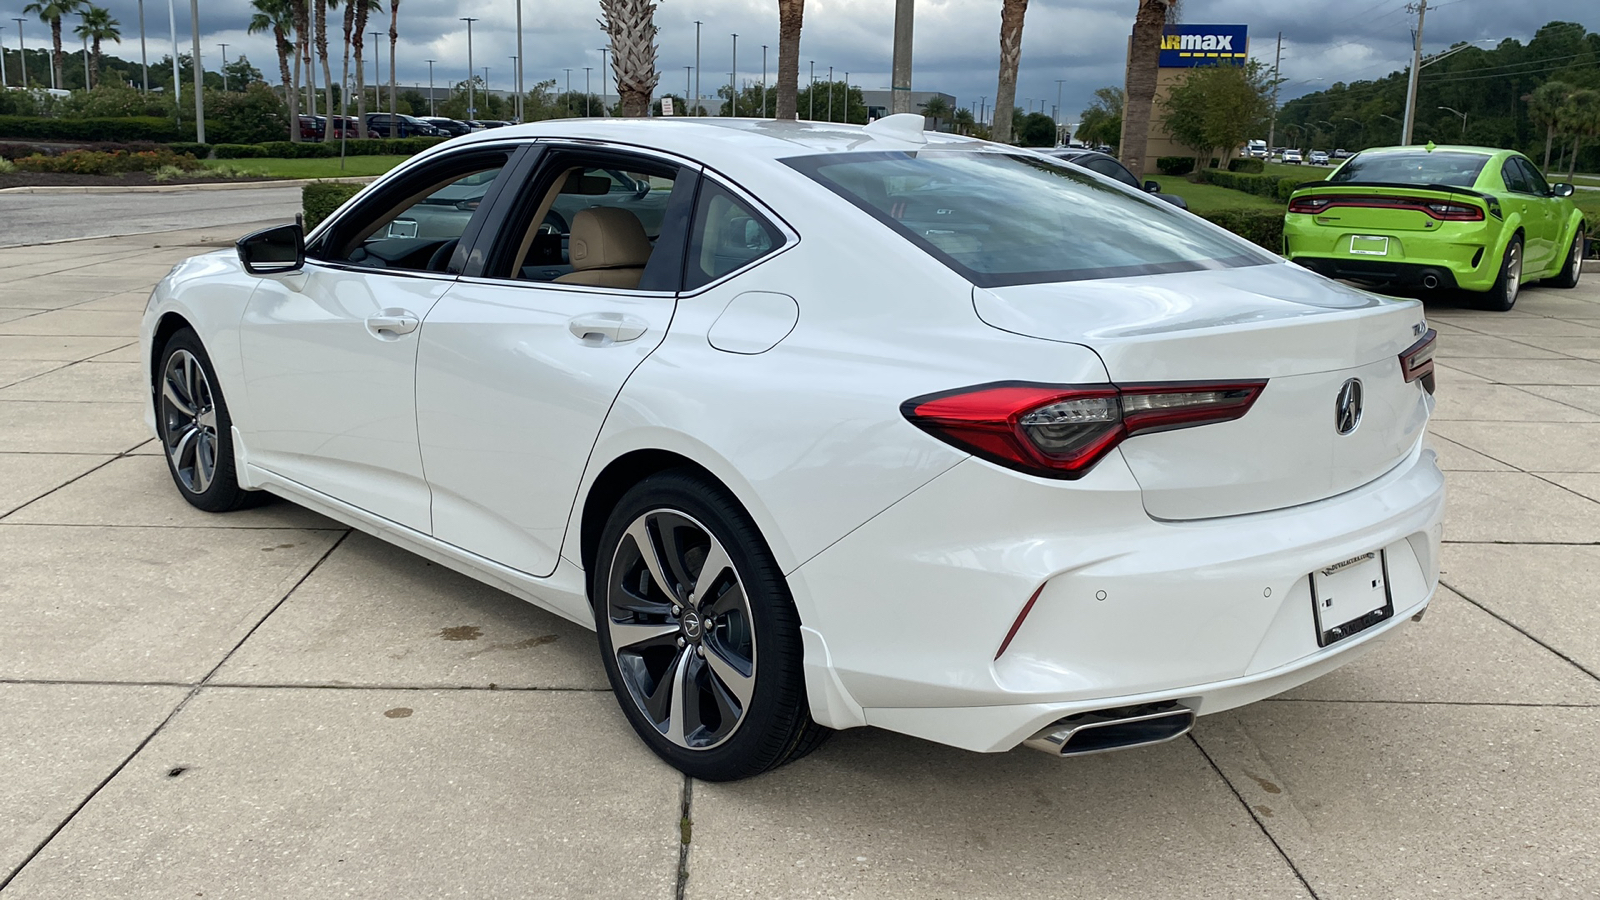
(1463, 255)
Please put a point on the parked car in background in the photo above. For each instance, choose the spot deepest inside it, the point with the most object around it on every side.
(448, 126)
(1342, 154)
(493, 123)
(311, 128)
(383, 125)
(1318, 158)
(1292, 157)
(1474, 218)
(1108, 165)
(343, 127)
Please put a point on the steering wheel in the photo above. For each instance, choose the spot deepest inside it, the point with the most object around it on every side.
(440, 260)
(554, 223)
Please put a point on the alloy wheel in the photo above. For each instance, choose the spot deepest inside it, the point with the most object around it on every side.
(679, 622)
(1513, 271)
(189, 421)
(1577, 257)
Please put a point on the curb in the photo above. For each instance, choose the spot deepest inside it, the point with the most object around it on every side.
(1591, 265)
(177, 188)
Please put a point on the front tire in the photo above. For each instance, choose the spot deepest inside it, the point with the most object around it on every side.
(1568, 276)
(698, 632)
(196, 431)
(1503, 295)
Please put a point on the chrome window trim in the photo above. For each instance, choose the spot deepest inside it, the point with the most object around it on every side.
(522, 284)
(369, 270)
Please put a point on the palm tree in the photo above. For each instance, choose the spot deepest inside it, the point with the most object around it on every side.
(357, 45)
(791, 14)
(344, 71)
(1005, 97)
(963, 121)
(320, 25)
(274, 16)
(50, 12)
(394, 40)
(1544, 108)
(300, 16)
(98, 26)
(1144, 58)
(1580, 115)
(631, 25)
(936, 109)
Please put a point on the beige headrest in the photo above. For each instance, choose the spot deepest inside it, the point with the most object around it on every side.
(604, 237)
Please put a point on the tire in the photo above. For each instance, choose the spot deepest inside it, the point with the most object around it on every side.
(195, 429)
(708, 674)
(1573, 268)
(1508, 285)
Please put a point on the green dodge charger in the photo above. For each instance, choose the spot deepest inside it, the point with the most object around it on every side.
(1469, 218)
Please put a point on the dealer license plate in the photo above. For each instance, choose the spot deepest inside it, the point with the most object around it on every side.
(1369, 245)
(1350, 597)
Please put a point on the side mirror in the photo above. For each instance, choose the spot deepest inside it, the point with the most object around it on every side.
(273, 251)
(1561, 189)
(1152, 187)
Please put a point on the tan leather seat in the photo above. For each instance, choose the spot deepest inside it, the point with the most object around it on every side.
(608, 248)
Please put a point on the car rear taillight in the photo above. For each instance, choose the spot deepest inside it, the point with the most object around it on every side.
(1061, 431)
(1308, 205)
(1438, 209)
(1455, 212)
(1416, 363)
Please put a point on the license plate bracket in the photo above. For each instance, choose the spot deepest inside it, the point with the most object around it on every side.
(1351, 596)
(1369, 245)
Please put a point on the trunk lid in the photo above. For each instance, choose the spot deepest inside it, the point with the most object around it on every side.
(1308, 336)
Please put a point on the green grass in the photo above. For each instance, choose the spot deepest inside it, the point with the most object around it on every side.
(310, 168)
(1590, 180)
(1209, 198)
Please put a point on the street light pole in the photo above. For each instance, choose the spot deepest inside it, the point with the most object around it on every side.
(85, 19)
(431, 110)
(900, 65)
(811, 94)
(1059, 82)
(687, 73)
(733, 80)
(830, 93)
(1463, 118)
(4, 81)
(144, 57)
(22, 54)
(697, 24)
(224, 66)
(472, 108)
(199, 74)
(521, 112)
(763, 81)
(586, 94)
(377, 80)
(604, 79)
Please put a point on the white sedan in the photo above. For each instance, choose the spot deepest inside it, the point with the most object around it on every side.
(824, 427)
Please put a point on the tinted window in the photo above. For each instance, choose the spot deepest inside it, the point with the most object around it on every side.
(726, 235)
(1514, 178)
(417, 224)
(1000, 219)
(1536, 182)
(1111, 169)
(1450, 167)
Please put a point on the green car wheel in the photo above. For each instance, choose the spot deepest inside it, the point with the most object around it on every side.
(1568, 276)
(1503, 295)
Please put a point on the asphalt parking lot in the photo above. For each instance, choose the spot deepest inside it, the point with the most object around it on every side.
(265, 704)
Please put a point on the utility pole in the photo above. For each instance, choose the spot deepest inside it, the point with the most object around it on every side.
(4, 81)
(733, 81)
(1272, 127)
(199, 74)
(1416, 69)
(830, 93)
(521, 111)
(847, 98)
(763, 81)
(224, 66)
(1057, 115)
(605, 77)
(688, 71)
(586, 93)
(377, 81)
(900, 79)
(22, 54)
(177, 86)
(85, 50)
(431, 110)
(697, 24)
(811, 94)
(514, 113)
(144, 57)
(472, 106)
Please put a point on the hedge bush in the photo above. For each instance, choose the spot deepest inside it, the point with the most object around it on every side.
(94, 162)
(1260, 226)
(1278, 187)
(1248, 165)
(238, 151)
(319, 199)
(129, 128)
(196, 150)
(1175, 165)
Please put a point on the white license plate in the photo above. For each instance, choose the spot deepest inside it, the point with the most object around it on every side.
(1351, 596)
(1369, 245)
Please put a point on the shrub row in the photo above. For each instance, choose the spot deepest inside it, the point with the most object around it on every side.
(1247, 164)
(1260, 226)
(319, 199)
(1278, 187)
(94, 162)
(1175, 165)
(127, 128)
(312, 150)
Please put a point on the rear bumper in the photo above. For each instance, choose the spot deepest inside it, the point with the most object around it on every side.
(907, 613)
(1408, 274)
(1463, 255)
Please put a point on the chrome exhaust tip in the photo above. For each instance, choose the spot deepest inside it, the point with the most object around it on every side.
(1113, 729)
(1430, 281)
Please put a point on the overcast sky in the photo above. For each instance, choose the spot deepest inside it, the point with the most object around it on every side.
(1082, 42)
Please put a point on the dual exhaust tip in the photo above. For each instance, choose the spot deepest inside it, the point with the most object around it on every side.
(1113, 729)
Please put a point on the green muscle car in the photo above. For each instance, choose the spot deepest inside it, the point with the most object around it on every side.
(1442, 218)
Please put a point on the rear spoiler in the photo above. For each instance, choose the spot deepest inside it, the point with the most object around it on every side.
(1442, 188)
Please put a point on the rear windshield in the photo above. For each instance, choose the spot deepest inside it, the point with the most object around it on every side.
(1449, 167)
(1001, 219)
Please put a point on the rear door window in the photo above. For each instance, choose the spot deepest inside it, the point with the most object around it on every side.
(726, 236)
(1530, 175)
(1516, 180)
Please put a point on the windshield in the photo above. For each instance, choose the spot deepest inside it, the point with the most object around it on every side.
(1001, 219)
(1448, 167)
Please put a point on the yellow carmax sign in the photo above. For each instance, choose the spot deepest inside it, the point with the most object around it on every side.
(1184, 46)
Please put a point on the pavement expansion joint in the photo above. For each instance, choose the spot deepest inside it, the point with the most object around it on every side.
(685, 836)
(1254, 817)
(1522, 631)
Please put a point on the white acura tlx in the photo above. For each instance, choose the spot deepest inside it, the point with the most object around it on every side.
(823, 426)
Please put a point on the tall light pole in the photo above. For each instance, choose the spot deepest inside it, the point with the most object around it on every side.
(518, 66)
(566, 111)
(22, 54)
(4, 81)
(431, 110)
(811, 94)
(177, 86)
(733, 80)
(604, 78)
(830, 93)
(1059, 82)
(514, 114)
(586, 92)
(224, 66)
(472, 108)
(199, 74)
(85, 17)
(697, 24)
(1463, 118)
(763, 81)
(900, 79)
(1416, 70)
(688, 72)
(846, 118)
(377, 80)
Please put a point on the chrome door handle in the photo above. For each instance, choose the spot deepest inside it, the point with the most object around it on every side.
(607, 328)
(396, 325)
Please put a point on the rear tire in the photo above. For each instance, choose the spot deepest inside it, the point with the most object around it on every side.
(195, 429)
(705, 665)
(1568, 276)
(1508, 285)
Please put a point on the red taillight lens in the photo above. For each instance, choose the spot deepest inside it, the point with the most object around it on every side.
(1308, 205)
(1455, 212)
(1416, 363)
(1061, 431)
(1449, 212)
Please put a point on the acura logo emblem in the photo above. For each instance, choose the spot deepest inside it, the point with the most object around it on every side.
(691, 625)
(1347, 409)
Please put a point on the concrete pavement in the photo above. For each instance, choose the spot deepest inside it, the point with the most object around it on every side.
(264, 704)
(38, 218)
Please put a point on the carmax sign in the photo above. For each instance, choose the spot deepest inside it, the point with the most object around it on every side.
(1185, 46)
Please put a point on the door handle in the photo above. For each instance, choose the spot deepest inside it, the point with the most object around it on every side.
(396, 325)
(607, 328)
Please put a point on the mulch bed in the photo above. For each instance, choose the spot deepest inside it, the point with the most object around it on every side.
(128, 179)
